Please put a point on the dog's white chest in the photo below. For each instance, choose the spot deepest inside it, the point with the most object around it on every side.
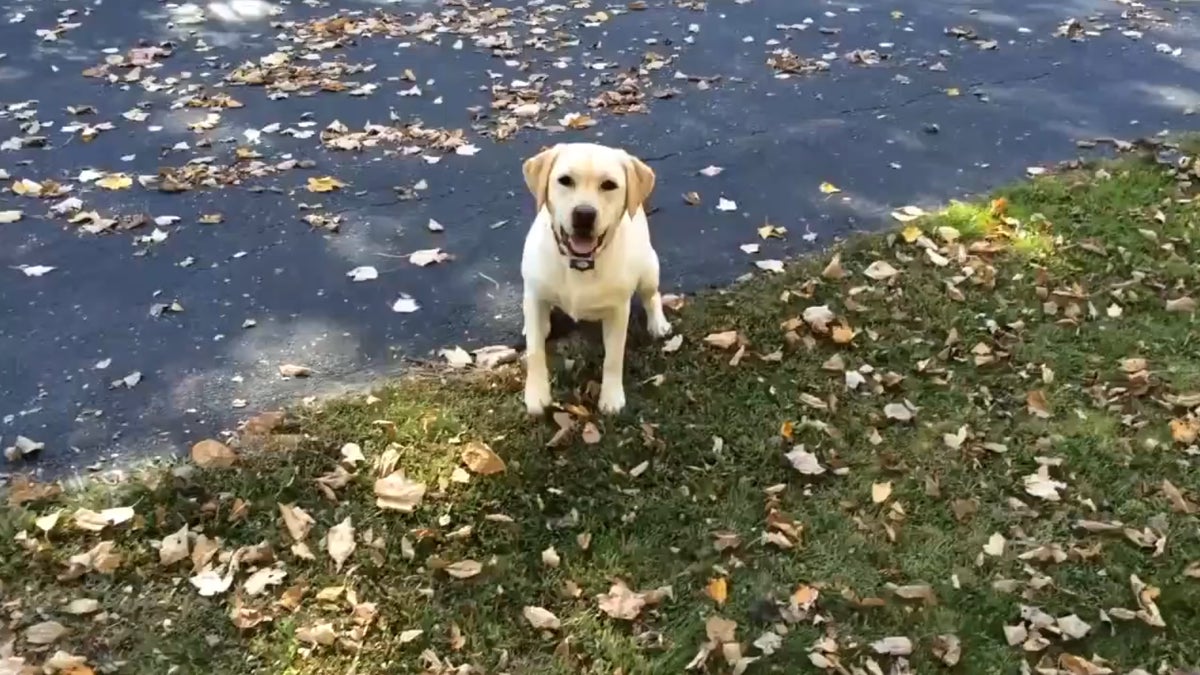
(588, 296)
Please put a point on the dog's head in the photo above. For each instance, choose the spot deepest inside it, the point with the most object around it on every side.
(587, 189)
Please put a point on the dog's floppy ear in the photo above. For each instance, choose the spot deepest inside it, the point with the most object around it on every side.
(639, 183)
(537, 174)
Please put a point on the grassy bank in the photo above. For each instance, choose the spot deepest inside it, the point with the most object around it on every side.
(963, 445)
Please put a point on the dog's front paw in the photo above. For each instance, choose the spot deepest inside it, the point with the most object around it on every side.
(659, 326)
(537, 397)
(612, 399)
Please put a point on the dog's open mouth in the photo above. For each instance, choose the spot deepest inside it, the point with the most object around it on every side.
(582, 247)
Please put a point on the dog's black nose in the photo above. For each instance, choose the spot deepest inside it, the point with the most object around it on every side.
(583, 220)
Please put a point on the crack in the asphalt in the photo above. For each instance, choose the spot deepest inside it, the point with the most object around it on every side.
(888, 106)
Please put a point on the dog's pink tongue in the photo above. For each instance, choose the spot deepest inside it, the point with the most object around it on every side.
(582, 245)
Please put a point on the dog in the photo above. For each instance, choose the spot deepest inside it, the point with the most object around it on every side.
(587, 253)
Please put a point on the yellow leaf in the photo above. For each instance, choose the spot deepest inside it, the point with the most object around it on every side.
(115, 181)
(767, 231)
(843, 334)
(718, 590)
(324, 184)
(829, 188)
(880, 492)
(911, 233)
(953, 91)
(787, 429)
(897, 14)
(25, 186)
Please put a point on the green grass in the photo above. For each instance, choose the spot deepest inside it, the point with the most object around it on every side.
(713, 434)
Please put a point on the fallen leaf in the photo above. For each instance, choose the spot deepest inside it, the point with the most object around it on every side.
(352, 454)
(86, 519)
(213, 454)
(319, 634)
(550, 558)
(82, 606)
(340, 543)
(44, 633)
(805, 462)
(429, 256)
(590, 434)
(257, 583)
(1035, 402)
(898, 411)
(620, 602)
(720, 630)
(995, 545)
(828, 188)
(711, 171)
(834, 269)
(36, 270)
(174, 548)
(880, 492)
(541, 618)
(947, 648)
(9, 216)
(297, 521)
(397, 492)
(293, 370)
(893, 646)
(880, 270)
(1184, 305)
(718, 590)
(324, 184)
(464, 569)
(724, 204)
(407, 636)
(1072, 626)
(364, 273)
(115, 181)
(1042, 486)
(480, 459)
(722, 340)
(405, 305)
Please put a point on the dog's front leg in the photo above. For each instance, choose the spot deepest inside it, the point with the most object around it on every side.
(537, 372)
(612, 386)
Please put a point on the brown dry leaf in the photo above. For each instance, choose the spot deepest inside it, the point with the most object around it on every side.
(1146, 595)
(893, 646)
(880, 492)
(1077, 665)
(880, 270)
(1192, 571)
(174, 548)
(479, 458)
(923, 592)
(213, 454)
(541, 618)
(464, 569)
(620, 602)
(397, 492)
(722, 340)
(1185, 431)
(297, 521)
(805, 462)
(947, 649)
(1179, 503)
(1042, 486)
(901, 412)
(1184, 305)
(842, 334)
(720, 630)
(44, 633)
(340, 543)
(92, 521)
(1036, 404)
(293, 370)
(718, 590)
(318, 634)
(834, 269)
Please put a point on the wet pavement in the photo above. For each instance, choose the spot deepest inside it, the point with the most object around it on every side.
(939, 115)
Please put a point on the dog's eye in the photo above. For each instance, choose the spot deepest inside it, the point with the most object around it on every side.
(608, 186)
(566, 181)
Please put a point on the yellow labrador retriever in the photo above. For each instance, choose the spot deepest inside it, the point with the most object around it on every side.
(587, 253)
